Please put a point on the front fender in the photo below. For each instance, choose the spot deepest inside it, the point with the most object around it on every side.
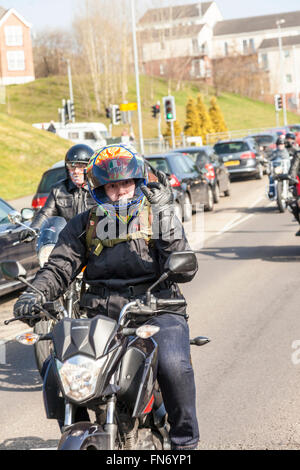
(84, 436)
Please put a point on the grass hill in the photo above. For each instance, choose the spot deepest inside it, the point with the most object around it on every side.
(26, 152)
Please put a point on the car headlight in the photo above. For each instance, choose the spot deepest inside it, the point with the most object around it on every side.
(278, 170)
(44, 254)
(79, 376)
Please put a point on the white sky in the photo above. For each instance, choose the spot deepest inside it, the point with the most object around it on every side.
(59, 13)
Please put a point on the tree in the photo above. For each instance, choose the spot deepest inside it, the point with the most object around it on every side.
(216, 116)
(177, 131)
(192, 123)
(206, 126)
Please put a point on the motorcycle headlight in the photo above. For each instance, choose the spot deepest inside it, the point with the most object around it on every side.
(79, 376)
(278, 170)
(44, 254)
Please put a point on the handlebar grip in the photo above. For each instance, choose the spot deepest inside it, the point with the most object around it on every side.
(171, 302)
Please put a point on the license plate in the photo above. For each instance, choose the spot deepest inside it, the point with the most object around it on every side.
(232, 163)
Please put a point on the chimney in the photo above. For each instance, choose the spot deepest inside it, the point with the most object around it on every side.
(199, 6)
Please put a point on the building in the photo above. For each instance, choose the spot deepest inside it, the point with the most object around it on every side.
(177, 41)
(16, 58)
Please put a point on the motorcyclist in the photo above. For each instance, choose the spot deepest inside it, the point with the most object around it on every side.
(70, 196)
(294, 172)
(281, 151)
(124, 245)
(290, 144)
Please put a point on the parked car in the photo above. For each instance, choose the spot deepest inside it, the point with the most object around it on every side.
(242, 157)
(12, 249)
(51, 177)
(295, 128)
(183, 172)
(216, 174)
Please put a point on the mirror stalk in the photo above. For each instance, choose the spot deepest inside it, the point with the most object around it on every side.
(162, 278)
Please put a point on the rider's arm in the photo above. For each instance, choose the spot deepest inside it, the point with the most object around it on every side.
(66, 261)
(294, 169)
(49, 210)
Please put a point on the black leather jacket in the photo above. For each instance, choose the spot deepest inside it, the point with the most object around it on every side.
(65, 200)
(295, 165)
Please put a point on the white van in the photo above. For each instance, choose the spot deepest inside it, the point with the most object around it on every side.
(93, 134)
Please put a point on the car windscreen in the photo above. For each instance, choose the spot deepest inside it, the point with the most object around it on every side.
(4, 211)
(181, 165)
(51, 178)
(231, 147)
(160, 164)
(264, 139)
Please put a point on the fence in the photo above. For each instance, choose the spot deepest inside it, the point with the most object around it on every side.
(213, 138)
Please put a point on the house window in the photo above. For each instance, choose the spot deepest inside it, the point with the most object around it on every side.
(251, 45)
(245, 46)
(161, 69)
(265, 61)
(195, 46)
(287, 54)
(13, 35)
(289, 78)
(15, 60)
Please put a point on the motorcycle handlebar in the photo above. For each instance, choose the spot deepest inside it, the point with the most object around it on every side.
(171, 302)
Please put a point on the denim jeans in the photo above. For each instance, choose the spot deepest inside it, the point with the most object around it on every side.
(176, 379)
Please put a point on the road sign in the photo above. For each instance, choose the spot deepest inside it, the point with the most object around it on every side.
(128, 107)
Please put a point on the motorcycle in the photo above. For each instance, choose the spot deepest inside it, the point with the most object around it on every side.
(110, 368)
(279, 187)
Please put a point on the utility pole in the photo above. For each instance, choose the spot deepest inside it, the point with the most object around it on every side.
(71, 90)
(278, 23)
(137, 78)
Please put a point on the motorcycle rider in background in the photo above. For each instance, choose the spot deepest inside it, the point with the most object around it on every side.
(291, 144)
(281, 151)
(124, 243)
(294, 173)
(70, 196)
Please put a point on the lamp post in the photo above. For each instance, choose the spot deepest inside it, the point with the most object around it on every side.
(137, 78)
(279, 23)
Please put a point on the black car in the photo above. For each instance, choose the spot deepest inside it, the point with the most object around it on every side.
(12, 249)
(242, 157)
(214, 169)
(183, 172)
(51, 177)
(266, 142)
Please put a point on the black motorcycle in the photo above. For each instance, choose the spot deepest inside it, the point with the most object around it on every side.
(108, 368)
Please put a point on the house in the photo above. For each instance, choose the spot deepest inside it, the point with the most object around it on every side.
(16, 58)
(176, 41)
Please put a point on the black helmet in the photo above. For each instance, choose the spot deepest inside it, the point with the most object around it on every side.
(290, 135)
(79, 154)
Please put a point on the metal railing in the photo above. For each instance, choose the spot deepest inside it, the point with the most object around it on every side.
(213, 138)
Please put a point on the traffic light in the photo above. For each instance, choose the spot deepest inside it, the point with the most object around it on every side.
(108, 112)
(116, 115)
(170, 109)
(70, 112)
(155, 110)
(278, 102)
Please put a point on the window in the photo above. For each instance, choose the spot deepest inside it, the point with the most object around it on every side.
(89, 136)
(265, 61)
(245, 46)
(289, 78)
(195, 46)
(286, 54)
(73, 135)
(4, 211)
(251, 45)
(161, 69)
(13, 35)
(15, 60)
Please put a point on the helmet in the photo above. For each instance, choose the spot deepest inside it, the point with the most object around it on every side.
(79, 154)
(114, 163)
(290, 135)
(280, 140)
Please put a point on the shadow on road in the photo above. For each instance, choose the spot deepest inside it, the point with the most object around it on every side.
(18, 373)
(27, 443)
(283, 254)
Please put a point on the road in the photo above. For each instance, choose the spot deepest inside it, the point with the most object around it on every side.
(245, 298)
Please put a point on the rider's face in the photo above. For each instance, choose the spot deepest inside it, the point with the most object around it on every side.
(76, 172)
(120, 190)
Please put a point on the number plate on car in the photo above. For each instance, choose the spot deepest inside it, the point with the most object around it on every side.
(232, 163)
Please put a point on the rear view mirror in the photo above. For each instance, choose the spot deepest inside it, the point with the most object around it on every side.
(27, 214)
(181, 262)
(12, 270)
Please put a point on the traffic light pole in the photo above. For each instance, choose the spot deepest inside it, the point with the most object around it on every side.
(137, 78)
(173, 135)
(71, 87)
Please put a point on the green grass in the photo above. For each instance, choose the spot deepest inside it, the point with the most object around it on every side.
(26, 152)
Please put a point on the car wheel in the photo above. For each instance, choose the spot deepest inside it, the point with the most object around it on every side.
(260, 172)
(210, 198)
(188, 208)
(178, 211)
(216, 193)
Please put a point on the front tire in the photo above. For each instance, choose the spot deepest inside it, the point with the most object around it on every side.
(216, 193)
(210, 200)
(281, 203)
(42, 349)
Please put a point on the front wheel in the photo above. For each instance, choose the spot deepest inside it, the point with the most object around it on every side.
(210, 200)
(281, 203)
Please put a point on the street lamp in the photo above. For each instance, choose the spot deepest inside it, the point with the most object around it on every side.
(137, 79)
(279, 23)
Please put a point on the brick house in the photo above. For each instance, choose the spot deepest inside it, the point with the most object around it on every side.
(16, 58)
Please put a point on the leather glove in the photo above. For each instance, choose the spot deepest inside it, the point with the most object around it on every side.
(25, 306)
(160, 194)
(27, 236)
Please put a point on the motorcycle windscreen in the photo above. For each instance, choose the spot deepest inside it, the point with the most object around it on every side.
(50, 231)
